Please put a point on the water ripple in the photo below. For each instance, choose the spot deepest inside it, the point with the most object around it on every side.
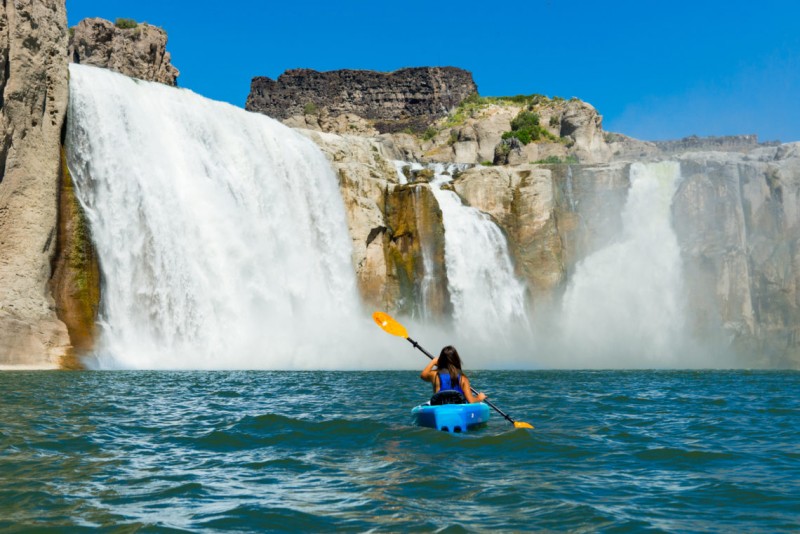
(612, 451)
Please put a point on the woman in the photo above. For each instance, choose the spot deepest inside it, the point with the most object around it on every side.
(448, 375)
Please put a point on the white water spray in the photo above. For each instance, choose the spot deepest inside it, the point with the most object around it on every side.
(624, 305)
(488, 300)
(221, 233)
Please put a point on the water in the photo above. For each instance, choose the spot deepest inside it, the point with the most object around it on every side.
(624, 306)
(488, 299)
(691, 451)
(221, 234)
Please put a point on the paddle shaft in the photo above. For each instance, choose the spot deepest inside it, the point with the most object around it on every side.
(429, 355)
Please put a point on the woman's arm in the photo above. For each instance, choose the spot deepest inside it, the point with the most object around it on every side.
(428, 374)
(468, 391)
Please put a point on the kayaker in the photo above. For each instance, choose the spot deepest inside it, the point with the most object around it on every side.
(448, 375)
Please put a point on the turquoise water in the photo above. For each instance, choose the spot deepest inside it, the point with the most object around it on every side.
(318, 451)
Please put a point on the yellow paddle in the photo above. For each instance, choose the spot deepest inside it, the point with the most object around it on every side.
(389, 325)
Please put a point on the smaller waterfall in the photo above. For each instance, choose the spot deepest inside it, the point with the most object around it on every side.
(624, 305)
(428, 277)
(570, 193)
(488, 300)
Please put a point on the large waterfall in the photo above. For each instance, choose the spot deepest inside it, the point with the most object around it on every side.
(223, 244)
(221, 233)
(624, 304)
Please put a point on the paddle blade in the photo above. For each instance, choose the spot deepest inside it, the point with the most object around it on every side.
(522, 424)
(389, 325)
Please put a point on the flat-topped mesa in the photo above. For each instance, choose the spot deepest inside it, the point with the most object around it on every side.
(394, 101)
(130, 48)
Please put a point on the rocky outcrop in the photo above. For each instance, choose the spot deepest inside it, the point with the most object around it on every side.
(139, 52)
(393, 227)
(473, 134)
(33, 80)
(404, 99)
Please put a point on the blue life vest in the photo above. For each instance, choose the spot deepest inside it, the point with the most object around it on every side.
(445, 385)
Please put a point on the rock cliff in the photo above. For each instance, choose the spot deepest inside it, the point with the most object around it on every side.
(735, 214)
(33, 81)
(136, 50)
(389, 225)
(405, 99)
(737, 217)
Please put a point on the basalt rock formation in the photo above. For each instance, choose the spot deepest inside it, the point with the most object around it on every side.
(33, 82)
(139, 52)
(404, 99)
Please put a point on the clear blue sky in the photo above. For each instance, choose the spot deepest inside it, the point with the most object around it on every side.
(655, 69)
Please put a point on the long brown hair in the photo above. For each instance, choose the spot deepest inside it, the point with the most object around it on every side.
(451, 361)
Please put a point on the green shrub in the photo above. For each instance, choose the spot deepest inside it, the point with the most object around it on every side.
(526, 128)
(125, 24)
(429, 133)
(310, 109)
(525, 120)
(524, 136)
(554, 121)
(487, 163)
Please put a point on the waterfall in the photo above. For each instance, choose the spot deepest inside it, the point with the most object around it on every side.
(488, 300)
(221, 233)
(624, 306)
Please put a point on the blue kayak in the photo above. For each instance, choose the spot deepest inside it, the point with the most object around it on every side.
(451, 417)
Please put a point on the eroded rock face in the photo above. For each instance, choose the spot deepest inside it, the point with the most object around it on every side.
(33, 80)
(139, 52)
(574, 126)
(391, 227)
(522, 200)
(738, 221)
(407, 98)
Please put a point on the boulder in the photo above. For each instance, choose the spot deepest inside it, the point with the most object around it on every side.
(139, 52)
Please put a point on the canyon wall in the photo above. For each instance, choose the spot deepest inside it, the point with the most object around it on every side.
(33, 81)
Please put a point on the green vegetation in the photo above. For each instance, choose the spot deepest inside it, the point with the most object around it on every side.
(71, 31)
(524, 100)
(125, 24)
(472, 106)
(468, 108)
(487, 163)
(526, 128)
(429, 133)
(310, 109)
